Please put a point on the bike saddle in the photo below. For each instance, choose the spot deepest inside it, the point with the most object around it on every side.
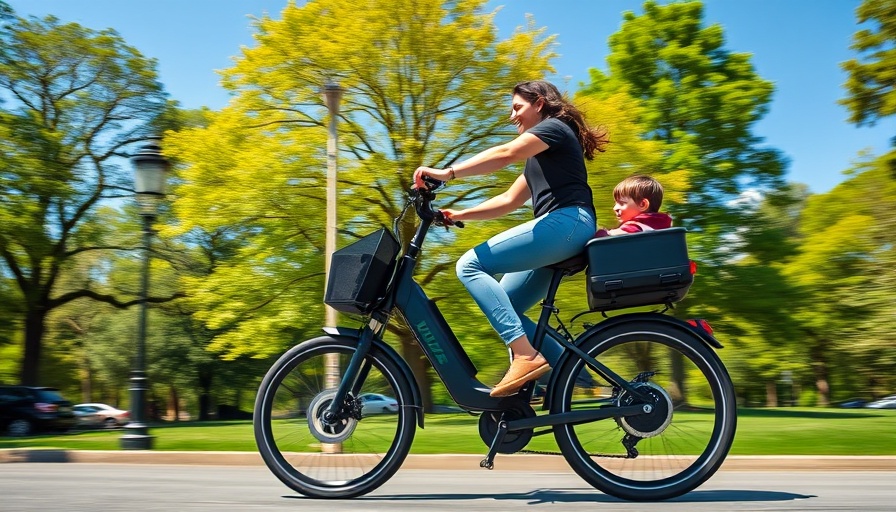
(572, 265)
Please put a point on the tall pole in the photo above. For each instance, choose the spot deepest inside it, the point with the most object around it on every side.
(332, 96)
(138, 437)
(151, 170)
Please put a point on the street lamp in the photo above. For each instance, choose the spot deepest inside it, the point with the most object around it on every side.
(150, 174)
(332, 95)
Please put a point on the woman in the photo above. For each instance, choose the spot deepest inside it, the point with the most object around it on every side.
(554, 142)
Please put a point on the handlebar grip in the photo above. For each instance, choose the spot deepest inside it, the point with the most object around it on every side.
(444, 220)
(432, 183)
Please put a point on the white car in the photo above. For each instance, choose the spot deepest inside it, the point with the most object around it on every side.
(109, 416)
(887, 402)
(374, 403)
(87, 416)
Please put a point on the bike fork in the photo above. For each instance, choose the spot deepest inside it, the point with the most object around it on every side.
(354, 375)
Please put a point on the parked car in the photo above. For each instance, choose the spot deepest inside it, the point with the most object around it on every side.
(108, 416)
(887, 402)
(87, 416)
(852, 403)
(25, 410)
(374, 403)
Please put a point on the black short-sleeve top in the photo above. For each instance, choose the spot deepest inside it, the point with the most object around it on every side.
(557, 177)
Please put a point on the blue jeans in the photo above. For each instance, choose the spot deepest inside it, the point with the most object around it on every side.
(519, 255)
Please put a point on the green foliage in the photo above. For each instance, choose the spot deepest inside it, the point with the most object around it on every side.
(848, 240)
(697, 102)
(700, 100)
(74, 100)
(868, 197)
(10, 312)
(6, 11)
(424, 84)
(871, 86)
(791, 281)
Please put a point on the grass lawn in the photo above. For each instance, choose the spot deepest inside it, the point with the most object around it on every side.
(790, 431)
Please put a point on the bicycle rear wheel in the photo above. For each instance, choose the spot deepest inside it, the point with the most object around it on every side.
(667, 452)
(357, 454)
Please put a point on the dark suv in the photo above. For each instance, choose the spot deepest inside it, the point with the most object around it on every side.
(28, 409)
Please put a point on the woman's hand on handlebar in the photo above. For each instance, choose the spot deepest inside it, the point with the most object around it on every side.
(438, 174)
(447, 218)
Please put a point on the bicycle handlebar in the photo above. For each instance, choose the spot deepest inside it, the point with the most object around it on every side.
(423, 197)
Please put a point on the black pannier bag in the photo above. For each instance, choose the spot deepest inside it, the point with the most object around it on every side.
(360, 272)
(638, 269)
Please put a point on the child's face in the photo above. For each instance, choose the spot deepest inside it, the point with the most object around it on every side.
(627, 208)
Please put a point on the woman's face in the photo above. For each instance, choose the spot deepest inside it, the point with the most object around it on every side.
(523, 114)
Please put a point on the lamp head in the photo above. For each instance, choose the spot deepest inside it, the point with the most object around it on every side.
(332, 96)
(150, 176)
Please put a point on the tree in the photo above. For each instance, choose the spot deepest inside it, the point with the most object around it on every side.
(871, 84)
(6, 11)
(700, 102)
(871, 96)
(74, 101)
(846, 317)
(758, 313)
(426, 83)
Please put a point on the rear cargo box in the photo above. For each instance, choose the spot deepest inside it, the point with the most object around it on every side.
(638, 269)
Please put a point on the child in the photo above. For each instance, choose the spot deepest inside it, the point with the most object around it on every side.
(638, 200)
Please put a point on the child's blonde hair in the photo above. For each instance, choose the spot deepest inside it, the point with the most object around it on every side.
(638, 187)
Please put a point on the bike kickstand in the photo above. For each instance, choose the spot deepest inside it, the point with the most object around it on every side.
(489, 461)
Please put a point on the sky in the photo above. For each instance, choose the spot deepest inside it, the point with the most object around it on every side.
(798, 45)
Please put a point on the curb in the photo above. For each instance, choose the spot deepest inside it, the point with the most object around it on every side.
(523, 462)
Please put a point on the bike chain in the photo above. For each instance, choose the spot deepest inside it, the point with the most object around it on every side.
(604, 455)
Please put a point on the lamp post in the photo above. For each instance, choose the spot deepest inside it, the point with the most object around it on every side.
(332, 95)
(150, 174)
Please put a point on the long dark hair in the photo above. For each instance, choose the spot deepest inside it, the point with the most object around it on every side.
(555, 105)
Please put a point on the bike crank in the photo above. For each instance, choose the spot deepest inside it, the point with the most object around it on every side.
(512, 442)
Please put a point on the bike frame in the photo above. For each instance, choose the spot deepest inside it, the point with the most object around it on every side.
(450, 360)
(638, 408)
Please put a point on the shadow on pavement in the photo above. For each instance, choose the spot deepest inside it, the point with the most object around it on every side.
(578, 496)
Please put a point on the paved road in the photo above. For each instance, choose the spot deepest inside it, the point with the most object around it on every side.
(26, 487)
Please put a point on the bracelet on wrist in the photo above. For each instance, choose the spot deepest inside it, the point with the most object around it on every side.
(451, 175)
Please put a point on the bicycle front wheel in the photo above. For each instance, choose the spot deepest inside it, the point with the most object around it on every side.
(667, 452)
(352, 456)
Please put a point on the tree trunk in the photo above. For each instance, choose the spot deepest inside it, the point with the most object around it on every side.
(771, 393)
(34, 333)
(677, 390)
(824, 389)
(173, 404)
(205, 385)
(822, 374)
(87, 381)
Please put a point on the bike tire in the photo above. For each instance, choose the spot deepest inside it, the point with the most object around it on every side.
(680, 445)
(374, 446)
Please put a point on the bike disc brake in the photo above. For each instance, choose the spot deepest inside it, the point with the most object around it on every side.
(652, 423)
(338, 431)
